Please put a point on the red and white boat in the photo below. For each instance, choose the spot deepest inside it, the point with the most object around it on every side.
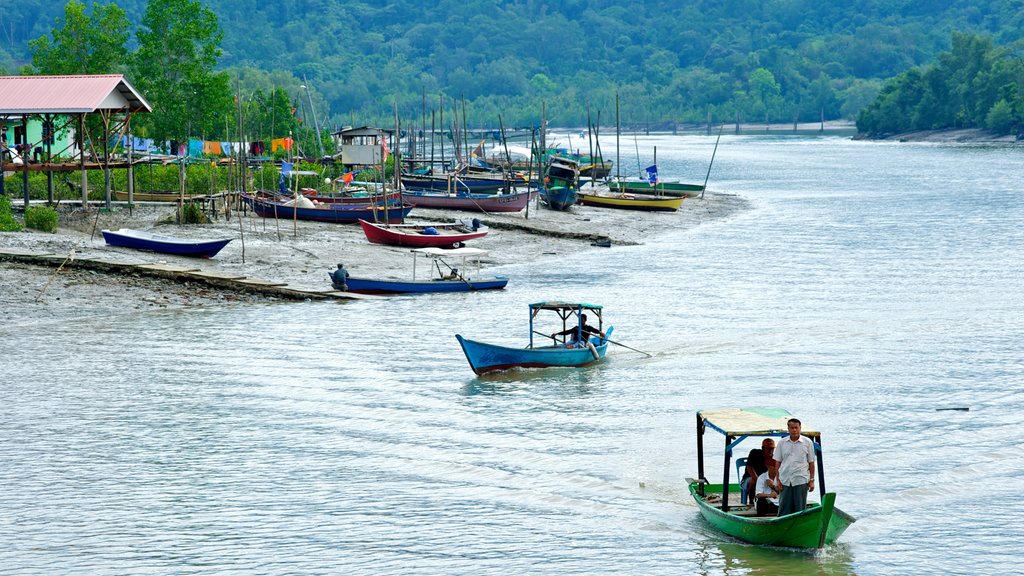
(421, 235)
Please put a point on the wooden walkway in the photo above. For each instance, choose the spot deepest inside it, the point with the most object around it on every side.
(215, 279)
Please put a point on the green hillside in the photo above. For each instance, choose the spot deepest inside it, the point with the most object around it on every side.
(670, 61)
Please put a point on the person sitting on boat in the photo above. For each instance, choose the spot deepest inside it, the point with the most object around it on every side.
(766, 495)
(587, 330)
(339, 278)
(757, 464)
(453, 275)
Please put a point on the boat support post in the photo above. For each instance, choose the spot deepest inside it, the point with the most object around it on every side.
(700, 455)
(725, 480)
(821, 466)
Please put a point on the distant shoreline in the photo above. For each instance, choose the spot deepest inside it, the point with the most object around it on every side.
(965, 135)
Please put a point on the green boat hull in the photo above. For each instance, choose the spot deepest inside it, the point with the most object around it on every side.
(817, 526)
(662, 188)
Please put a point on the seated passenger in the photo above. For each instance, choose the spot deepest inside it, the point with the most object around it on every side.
(766, 494)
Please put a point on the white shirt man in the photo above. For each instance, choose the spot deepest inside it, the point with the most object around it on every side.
(795, 455)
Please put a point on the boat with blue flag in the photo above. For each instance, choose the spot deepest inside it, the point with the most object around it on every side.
(576, 343)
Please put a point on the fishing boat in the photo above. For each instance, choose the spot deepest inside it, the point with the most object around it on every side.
(449, 279)
(642, 186)
(441, 235)
(456, 183)
(645, 202)
(572, 350)
(561, 183)
(326, 212)
(140, 240)
(819, 524)
(513, 202)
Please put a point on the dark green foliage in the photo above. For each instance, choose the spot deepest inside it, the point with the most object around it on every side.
(7, 221)
(974, 85)
(192, 213)
(41, 218)
(670, 60)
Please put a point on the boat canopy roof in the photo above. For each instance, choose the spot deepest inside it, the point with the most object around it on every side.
(436, 252)
(751, 421)
(556, 305)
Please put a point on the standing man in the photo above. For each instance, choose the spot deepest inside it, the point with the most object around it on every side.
(795, 455)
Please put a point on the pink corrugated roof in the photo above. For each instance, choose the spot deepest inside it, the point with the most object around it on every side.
(68, 94)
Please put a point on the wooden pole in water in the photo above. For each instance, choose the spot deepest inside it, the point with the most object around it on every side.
(708, 175)
(590, 144)
(618, 128)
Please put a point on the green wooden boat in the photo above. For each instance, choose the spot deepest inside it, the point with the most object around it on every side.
(820, 524)
(635, 186)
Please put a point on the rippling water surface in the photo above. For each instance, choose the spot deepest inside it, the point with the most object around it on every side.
(870, 285)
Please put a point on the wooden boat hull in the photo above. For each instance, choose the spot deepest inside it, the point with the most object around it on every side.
(138, 240)
(460, 185)
(372, 286)
(469, 202)
(559, 198)
(642, 202)
(413, 236)
(661, 188)
(484, 358)
(337, 213)
(817, 526)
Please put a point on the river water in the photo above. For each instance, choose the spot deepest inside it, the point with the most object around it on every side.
(870, 286)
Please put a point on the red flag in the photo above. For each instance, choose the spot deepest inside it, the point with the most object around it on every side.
(384, 148)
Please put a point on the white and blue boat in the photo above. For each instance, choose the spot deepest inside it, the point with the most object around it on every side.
(451, 279)
(577, 348)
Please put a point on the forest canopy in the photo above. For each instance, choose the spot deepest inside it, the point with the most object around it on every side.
(669, 61)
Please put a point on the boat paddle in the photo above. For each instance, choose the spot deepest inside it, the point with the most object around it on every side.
(628, 348)
(610, 341)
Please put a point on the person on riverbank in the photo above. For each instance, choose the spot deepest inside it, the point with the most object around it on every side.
(795, 456)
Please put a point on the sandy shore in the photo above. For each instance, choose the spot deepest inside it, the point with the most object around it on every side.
(299, 254)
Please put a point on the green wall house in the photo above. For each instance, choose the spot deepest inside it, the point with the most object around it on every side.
(34, 136)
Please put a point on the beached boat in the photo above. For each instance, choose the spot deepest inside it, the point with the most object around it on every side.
(449, 279)
(821, 523)
(139, 240)
(454, 183)
(561, 183)
(327, 212)
(567, 352)
(639, 186)
(441, 235)
(645, 202)
(472, 202)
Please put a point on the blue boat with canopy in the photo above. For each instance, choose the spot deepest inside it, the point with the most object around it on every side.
(575, 344)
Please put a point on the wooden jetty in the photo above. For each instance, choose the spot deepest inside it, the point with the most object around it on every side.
(214, 279)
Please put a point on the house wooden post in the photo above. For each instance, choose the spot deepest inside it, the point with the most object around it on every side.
(24, 158)
(81, 149)
(131, 165)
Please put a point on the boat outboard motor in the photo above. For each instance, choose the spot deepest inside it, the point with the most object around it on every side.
(339, 278)
(476, 224)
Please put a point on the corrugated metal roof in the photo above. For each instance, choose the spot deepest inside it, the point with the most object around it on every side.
(68, 94)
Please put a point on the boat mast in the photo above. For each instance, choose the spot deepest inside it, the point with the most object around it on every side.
(618, 129)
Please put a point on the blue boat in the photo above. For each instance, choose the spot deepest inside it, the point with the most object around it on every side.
(573, 346)
(453, 280)
(561, 183)
(139, 240)
(328, 212)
